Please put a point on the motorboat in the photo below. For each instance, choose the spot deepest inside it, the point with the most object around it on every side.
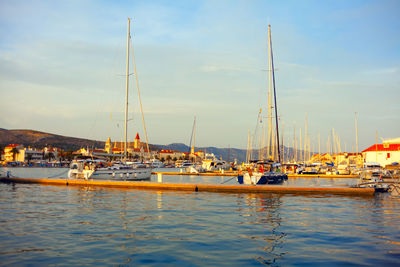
(195, 168)
(374, 178)
(155, 163)
(211, 163)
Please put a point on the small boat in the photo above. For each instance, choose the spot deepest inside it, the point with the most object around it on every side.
(374, 178)
(155, 163)
(195, 168)
(183, 163)
(308, 169)
(211, 163)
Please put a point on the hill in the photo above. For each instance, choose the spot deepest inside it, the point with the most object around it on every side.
(228, 154)
(40, 139)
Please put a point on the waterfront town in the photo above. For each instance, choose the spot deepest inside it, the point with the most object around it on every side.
(20, 155)
(384, 155)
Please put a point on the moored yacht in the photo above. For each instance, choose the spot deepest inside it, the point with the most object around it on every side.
(267, 172)
(89, 169)
(262, 172)
(99, 170)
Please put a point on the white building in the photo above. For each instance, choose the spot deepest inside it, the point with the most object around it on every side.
(29, 154)
(384, 154)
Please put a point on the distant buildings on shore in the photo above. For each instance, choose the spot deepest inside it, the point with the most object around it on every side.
(384, 154)
(136, 150)
(20, 153)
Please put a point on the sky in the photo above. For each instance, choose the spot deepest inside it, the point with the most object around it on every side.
(62, 66)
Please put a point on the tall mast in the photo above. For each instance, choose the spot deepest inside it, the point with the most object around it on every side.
(283, 143)
(319, 147)
(192, 137)
(262, 140)
(356, 134)
(376, 146)
(269, 108)
(300, 154)
(275, 105)
(127, 86)
(294, 143)
(305, 140)
(248, 148)
(194, 134)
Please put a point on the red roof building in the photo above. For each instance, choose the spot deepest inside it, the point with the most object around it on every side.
(384, 154)
(383, 147)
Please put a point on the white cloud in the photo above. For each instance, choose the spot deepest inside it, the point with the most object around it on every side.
(391, 70)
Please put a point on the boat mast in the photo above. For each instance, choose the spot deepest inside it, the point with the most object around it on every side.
(319, 147)
(192, 137)
(276, 107)
(305, 140)
(356, 134)
(294, 143)
(248, 148)
(269, 108)
(127, 86)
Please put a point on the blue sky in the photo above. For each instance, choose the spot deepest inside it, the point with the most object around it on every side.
(62, 66)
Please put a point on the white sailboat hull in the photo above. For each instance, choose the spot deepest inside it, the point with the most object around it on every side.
(134, 174)
(112, 174)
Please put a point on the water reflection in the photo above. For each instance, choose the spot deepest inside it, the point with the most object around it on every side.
(263, 215)
(159, 200)
(46, 225)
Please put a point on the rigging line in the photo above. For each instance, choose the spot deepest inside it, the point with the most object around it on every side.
(140, 100)
(228, 180)
(256, 128)
(57, 175)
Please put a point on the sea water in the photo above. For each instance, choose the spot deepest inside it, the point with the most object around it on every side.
(64, 226)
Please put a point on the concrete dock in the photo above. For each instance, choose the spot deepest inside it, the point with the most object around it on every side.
(197, 187)
(225, 173)
(234, 173)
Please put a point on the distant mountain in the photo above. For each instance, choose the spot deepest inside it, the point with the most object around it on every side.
(228, 154)
(39, 139)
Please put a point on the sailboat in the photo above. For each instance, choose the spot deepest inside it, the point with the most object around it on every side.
(92, 169)
(266, 171)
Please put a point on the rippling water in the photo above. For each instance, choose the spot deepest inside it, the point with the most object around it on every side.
(57, 225)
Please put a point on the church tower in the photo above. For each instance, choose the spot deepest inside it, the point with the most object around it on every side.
(137, 141)
(108, 146)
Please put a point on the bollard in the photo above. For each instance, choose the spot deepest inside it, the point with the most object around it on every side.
(159, 177)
